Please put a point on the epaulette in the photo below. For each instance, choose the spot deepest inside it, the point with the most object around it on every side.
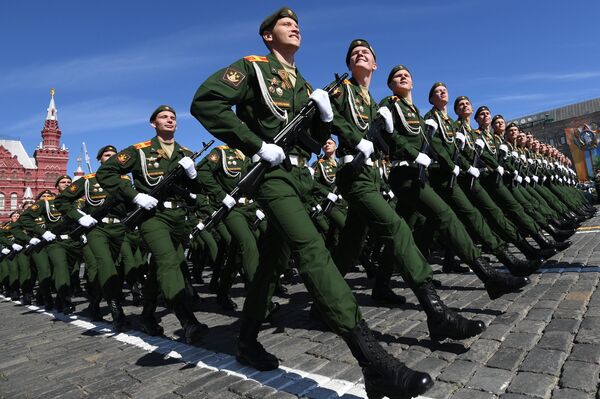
(321, 160)
(89, 176)
(347, 82)
(186, 149)
(394, 98)
(143, 144)
(256, 58)
(222, 147)
(477, 131)
(125, 177)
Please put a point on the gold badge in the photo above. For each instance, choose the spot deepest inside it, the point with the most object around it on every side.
(233, 77)
(34, 207)
(73, 188)
(213, 157)
(122, 158)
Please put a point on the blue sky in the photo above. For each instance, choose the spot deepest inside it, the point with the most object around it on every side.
(113, 62)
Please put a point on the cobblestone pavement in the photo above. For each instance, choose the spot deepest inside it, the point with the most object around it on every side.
(543, 342)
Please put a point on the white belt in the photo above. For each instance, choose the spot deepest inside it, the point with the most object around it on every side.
(400, 163)
(64, 237)
(245, 201)
(110, 220)
(349, 158)
(171, 204)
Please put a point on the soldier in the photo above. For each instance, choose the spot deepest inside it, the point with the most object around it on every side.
(104, 237)
(415, 195)
(163, 230)
(267, 92)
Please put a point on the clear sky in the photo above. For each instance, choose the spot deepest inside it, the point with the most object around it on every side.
(113, 62)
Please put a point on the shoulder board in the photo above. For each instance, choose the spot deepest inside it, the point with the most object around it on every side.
(143, 144)
(321, 160)
(256, 58)
(89, 176)
(477, 131)
(222, 147)
(125, 177)
(186, 149)
(394, 98)
(347, 82)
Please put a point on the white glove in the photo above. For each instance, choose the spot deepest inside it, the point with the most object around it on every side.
(519, 179)
(48, 236)
(321, 98)
(5, 251)
(480, 143)
(473, 172)
(456, 170)
(556, 177)
(531, 161)
(34, 241)
(500, 170)
(545, 162)
(366, 147)
(423, 159)
(17, 247)
(527, 179)
(514, 154)
(523, 157)
(260, 214)
(229, 201)
(200, 226)
(504, 148)
(145, 201)
(544, 179)
(461, 139)
(83, 239)
(332, 197)
(87, 220)
(535, 178)
(272, 153)
(391, 194)
(188, 165)
(387, 117)
(317, 208)
(193, 196)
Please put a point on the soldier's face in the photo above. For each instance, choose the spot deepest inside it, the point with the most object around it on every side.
(401, 84)
(521, 140)
(439, 98)
(106, 155)
(362, 58)
(529, 139)
(513, 131)
(329, 147)
(165, 122)
(464, 109)
(285, 34)
(499, 126)
(535, 145)
(14, 217)
(45, 196)
(63, 184)
(484, 118)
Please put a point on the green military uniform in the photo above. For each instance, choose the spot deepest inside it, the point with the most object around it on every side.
(266, 98)
(148, 162)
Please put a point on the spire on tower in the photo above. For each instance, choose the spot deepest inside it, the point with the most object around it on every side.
(52, 111)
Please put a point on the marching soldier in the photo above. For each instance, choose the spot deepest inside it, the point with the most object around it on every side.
(267, 92)
(163, 231)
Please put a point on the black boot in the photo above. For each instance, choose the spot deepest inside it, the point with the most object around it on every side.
(66, 305)
(544, 242)
(497, 283)
(136, 294)
(564, 224)
(118, 316)
(193, 330)
(250, 352)
(451, 265)
(384, 375)
(27, 298)
(148, 323)
(558, 234)
(532, 253)
(382, 292)
(95, 297)
(280, 289)
(516, 266)
(225, 302)
(443, 322)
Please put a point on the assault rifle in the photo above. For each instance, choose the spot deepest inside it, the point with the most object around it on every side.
(455, 157)
(501, 162)
(161, 189)
(476, 155)
(432, 127)
(58, 229)
(326, 205)
(374, 136)
(292, 133)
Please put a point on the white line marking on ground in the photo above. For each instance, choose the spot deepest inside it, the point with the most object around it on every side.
(296, 382)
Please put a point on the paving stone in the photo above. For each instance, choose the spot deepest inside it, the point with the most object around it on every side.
(558, 340)
(490, 380)
(496, 331)
(544, 361)
(586, 353)
(531, 384)
(530, 326)
(524, 341)
(480, 351)
(506, 358)
(458, 372)
(585, 336)
(580, 375)
(566, 393)
(465, 393)
(540, 314)
(568, 325)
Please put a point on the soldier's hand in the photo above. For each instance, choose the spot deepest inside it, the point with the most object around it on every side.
(480, 143)
(332, 197)
(387, 117)
(272, 153)
(87, 221)
(229, 201)
(519, 179)
(503, 148)
(456, 170)
(17, 247)
(535, 178)
(34, 241)
(500, 170)
(5, 251)
(460, 140)
(321, 98)
(423, 159)
(473, 172)
(260, 214)
(188, 165)
(48, 236)
(145, 201)
(366, 147)
(527, 179)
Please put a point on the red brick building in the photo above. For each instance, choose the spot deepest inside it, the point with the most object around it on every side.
(23, 177)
